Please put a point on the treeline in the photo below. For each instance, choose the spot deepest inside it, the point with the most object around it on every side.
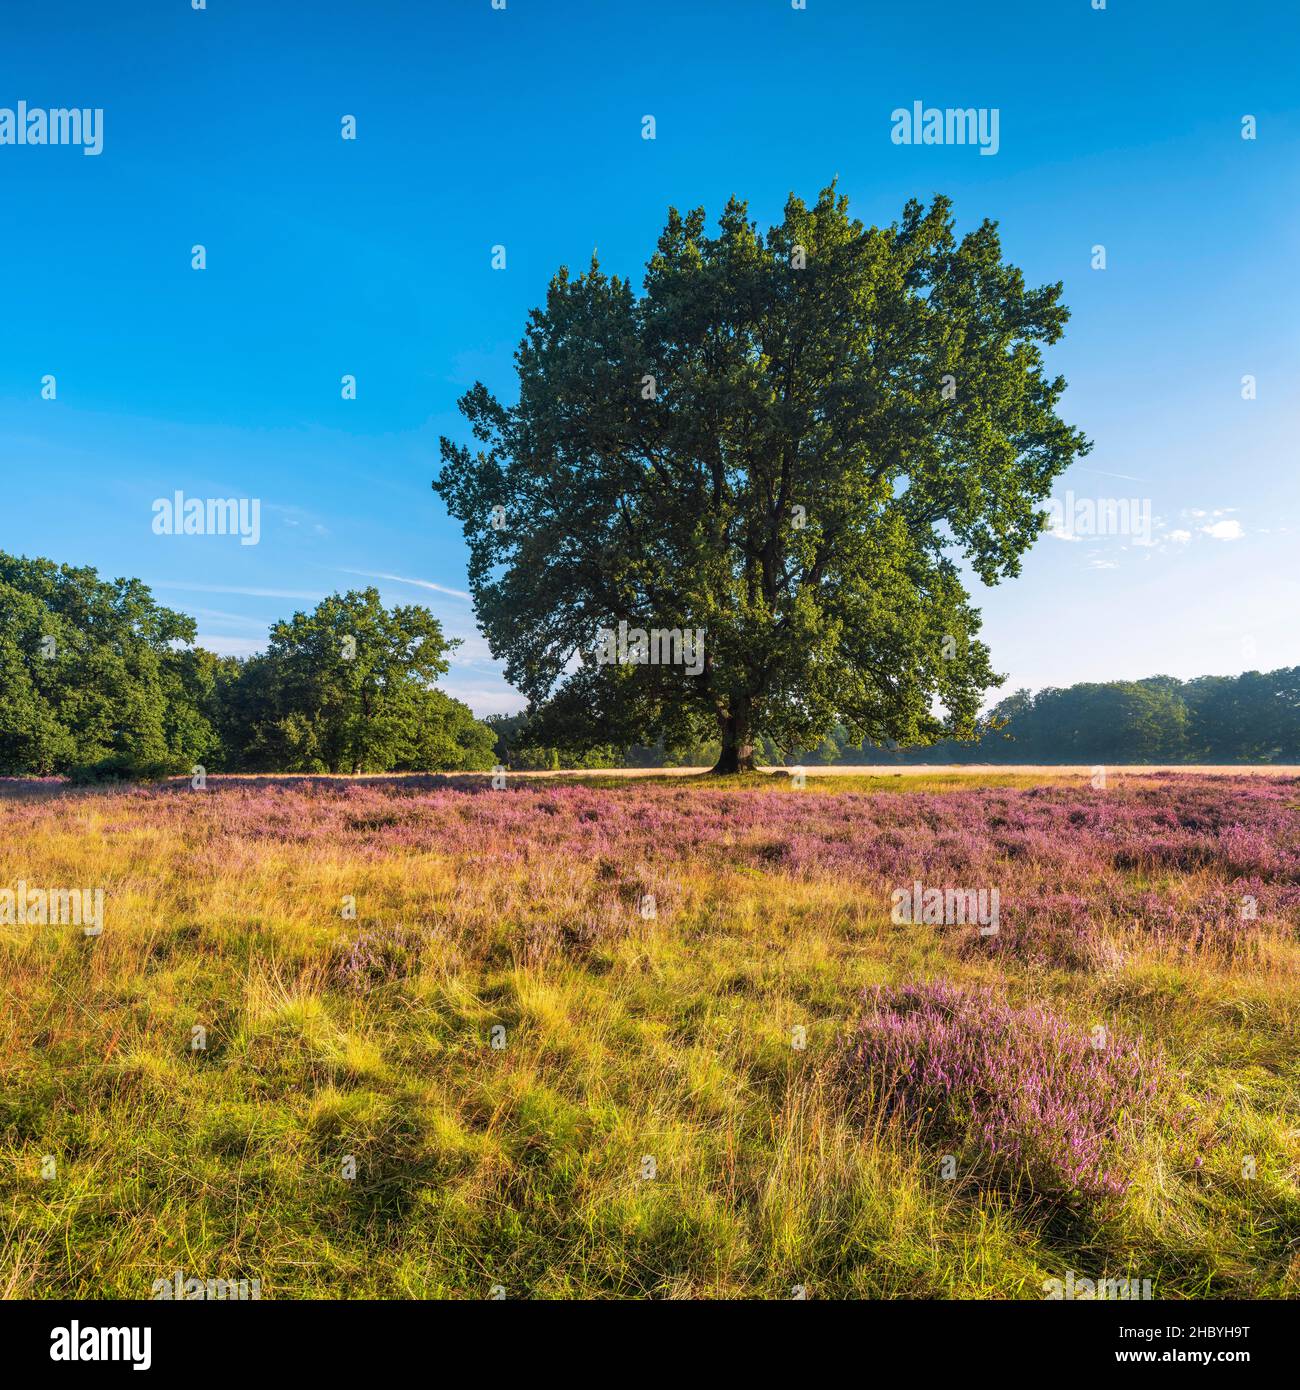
(97, 680)
(522, 748)
(1251, 718)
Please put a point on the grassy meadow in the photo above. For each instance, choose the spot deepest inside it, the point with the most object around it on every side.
(449, 1045)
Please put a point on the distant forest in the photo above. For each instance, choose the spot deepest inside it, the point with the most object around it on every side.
(1251, 718)
(99, 682)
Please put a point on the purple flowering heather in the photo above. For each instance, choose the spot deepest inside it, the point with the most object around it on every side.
(376, 956)
(1083, 874)
(1020, 1091)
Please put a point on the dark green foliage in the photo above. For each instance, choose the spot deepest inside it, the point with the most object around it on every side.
(349, 688)
(99, 681)
(761, 446)
(518, 747)
(121, 767)
(93, 670)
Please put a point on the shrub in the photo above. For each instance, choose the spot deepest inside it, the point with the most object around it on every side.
(1021, 1091)
(121, 767)
(379, 955)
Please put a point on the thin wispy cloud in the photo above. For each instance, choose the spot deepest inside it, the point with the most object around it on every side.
(218, 615)
(417, 583)
(1102, 473)
(297, 517)
(238, 589)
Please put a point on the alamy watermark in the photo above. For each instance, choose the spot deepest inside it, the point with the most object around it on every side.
(947, 907)
(35, 125)
(1073, 1288)
(192, 1289)
(58, 907)
(179, 515)
(953, 125)
(1072, 517)
(77, 1343)
(657, 647)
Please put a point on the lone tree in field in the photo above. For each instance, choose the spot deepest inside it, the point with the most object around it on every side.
(788, 442)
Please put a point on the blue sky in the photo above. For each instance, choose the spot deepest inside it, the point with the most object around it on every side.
(522, 127)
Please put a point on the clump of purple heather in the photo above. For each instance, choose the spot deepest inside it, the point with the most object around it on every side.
(1047, 928)
(1020, 1091)
(376, 955)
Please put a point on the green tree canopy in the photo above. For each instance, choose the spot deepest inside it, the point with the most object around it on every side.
(1133, 721)
(92, 670)
(1251, 717)
(788, 442)
(349, 687)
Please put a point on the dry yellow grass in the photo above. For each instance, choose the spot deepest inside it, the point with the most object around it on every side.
(524, 1165)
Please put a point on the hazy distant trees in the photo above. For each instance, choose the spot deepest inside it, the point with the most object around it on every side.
(1254, 717)
(97, 678)
(1133, 722)
(521, 746)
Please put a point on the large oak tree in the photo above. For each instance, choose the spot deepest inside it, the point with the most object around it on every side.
(789, 441)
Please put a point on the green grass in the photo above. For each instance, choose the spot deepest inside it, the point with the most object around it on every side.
(522, 1166)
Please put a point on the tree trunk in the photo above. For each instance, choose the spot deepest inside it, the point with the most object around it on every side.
(737, 753)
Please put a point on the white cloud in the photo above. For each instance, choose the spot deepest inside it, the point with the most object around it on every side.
(418, 583)
(1182, 537)
(1224, 530)
(484, 699)
(1104, 473)
(295, 516)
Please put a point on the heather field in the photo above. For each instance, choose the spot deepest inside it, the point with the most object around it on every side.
(656, 1037)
